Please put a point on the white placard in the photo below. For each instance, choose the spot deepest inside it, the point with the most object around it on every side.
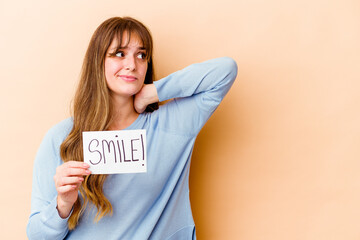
(109, 152)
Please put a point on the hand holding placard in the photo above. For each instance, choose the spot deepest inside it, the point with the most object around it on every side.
(109, 152)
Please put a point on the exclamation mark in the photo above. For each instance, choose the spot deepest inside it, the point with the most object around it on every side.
(142, 143)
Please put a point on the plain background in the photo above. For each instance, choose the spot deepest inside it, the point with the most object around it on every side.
(278, 160)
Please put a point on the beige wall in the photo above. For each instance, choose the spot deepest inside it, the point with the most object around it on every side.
(280, 157)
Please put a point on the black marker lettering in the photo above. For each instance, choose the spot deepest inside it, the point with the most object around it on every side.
(97, 142)
(142, 144)
(117, 141)
(123, 147)
(109, 151)
(133, 150)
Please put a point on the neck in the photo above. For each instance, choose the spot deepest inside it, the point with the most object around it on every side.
(124, 113)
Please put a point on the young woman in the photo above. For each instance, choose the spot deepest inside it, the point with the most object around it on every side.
(116, 92)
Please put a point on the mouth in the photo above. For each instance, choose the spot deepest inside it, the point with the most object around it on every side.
(128, 78)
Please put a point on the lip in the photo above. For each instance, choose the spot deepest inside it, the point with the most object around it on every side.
(128, 78)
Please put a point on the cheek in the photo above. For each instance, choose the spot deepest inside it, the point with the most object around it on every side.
(111, 68)
(107, 68)
(143, 71)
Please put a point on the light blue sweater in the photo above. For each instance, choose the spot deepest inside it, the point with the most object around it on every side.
(151, 205)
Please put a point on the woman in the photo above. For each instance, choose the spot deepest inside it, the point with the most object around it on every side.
(116, 91)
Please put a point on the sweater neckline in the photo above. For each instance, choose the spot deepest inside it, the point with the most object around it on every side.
(135, 124)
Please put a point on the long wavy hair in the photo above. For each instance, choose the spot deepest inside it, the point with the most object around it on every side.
(92, 106)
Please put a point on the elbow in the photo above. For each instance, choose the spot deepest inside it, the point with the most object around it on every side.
(229, 67)
(32, 231)
(29, 232)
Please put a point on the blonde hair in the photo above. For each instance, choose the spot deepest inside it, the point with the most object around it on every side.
(92, 109)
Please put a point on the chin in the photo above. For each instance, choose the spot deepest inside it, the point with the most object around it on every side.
(126, 93)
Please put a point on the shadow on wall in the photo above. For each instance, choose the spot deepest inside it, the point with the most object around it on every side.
(216, 168)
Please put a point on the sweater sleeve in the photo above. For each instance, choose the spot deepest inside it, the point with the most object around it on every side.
(197, 91)
(44, 221)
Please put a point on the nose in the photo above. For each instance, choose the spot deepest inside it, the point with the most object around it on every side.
(130, 63)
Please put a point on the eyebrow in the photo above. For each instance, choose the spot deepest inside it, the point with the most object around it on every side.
(117, 48)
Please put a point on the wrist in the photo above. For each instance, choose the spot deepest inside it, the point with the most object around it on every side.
(63, 208)
(146, 96)
(151, 95)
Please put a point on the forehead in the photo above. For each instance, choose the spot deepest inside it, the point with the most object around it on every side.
(132, 39)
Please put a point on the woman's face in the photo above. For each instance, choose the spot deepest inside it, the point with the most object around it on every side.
(125, 69)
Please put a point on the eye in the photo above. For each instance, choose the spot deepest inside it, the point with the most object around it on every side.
(119, 54)
(141, 55)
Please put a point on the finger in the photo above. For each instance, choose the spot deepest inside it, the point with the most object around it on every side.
(76, 164)
(69, 181)
(77, 172)
(71, 164)
(66, 188)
